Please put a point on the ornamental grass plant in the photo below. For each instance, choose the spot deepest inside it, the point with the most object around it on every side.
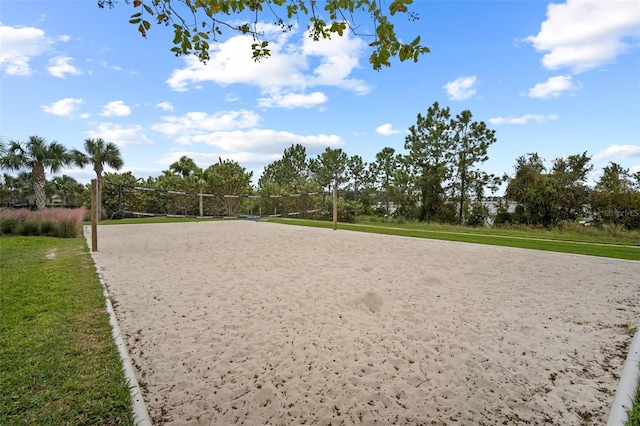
(49, 222)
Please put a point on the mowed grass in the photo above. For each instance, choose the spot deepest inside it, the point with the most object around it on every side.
(603, 246)
(58, 362)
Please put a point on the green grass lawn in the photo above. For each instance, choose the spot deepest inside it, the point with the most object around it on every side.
(58, 362)
(593, 245)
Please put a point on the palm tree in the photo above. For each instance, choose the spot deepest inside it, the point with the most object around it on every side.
(36, 155)
(188, 169)
(200, 178)
(99, 153)
(18, 189)
(185, 166)
(67, 188)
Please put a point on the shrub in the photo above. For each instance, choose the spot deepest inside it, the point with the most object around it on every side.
(478, 216)
(60, 222)
(346, 211)
(7, 226)
(27, 227)
(612, 229)
(67, 229)
(48, 228)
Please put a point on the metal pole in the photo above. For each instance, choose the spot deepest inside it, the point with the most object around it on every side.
(94, 215)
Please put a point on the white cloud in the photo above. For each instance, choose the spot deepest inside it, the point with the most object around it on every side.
(265, 141)
(115, 108)
(120, 135)
(233, 134)
(108, 66)
(387, 130)
(290, 68)
(231, 63)
(554, 87)
(618, 151)
(338, 57)
(196, 123)
(63, 107)
(585, 34)
(293, 100)
(461, 88)
(59, 67)
(165, 106)
(523, 119)
(19, 46)
(231, 97)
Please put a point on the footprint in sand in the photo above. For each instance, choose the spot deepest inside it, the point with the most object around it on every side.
(371, 300)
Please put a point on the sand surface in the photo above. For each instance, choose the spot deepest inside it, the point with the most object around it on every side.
(258, 323)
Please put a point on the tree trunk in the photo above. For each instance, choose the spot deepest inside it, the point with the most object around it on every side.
(335, 206)
(99, 198)
(97, 167)
(38, 186)
(463, 190)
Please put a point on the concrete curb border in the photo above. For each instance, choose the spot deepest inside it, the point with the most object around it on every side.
(628, 385)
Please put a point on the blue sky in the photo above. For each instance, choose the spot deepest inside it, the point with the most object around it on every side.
(553, 78)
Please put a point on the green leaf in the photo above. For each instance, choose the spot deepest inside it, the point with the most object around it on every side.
(403, 53)
(292, 10)
(177, 35)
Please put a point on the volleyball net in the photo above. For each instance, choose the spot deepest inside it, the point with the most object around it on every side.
(138, 201)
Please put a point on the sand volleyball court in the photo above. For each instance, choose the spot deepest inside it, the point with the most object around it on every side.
(257, 323)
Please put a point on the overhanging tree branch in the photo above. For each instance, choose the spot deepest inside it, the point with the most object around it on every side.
(193, 38)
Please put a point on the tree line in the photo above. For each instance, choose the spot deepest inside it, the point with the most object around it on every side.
(35, 156)
(439, 178)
